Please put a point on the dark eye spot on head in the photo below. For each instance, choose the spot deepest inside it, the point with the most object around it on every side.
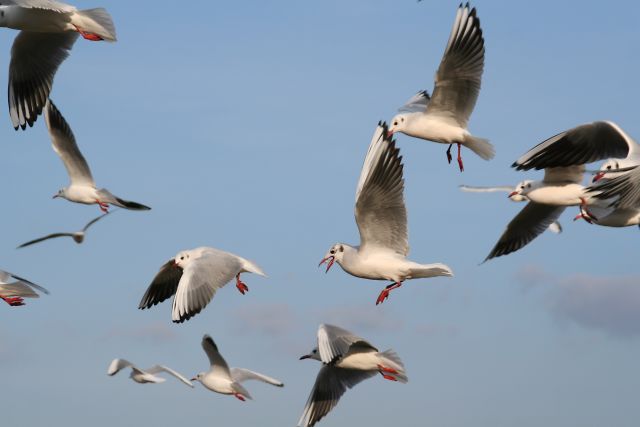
(529, 185)
(341, 248)
(332, 251)
(402, 119)
(395, 123)
(609, 167)
(182, 257)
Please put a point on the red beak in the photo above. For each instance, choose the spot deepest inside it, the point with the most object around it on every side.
(598, 177)
(330, 259)
(513, 193)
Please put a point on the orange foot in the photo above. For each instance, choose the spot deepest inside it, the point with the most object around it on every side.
(242, 287)
(385, 292)
(239, 396)
(89, 36)
(460, 164)
(104, 207)
(14, 302)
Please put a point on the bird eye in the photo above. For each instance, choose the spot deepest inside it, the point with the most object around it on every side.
(395, 123)
(181, 257)
(332, 252)
(522, 187)
(314, 351)
(609, 167)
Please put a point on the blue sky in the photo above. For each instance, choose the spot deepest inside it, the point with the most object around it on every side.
(244, 126)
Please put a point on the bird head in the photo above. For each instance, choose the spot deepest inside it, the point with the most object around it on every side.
(521, 190)
(606, 168)
(61, 193)
(182, 259)
(335, 254)
(314, 354)
(198, 377)
(398, 124)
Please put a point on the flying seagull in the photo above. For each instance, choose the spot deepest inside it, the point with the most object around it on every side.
(77, 236)
(48, 30)
(13, 289)
(194, 276)
(382, 221)
(83, 187)
(346, 360)
(144, 376)
(443, 117)
(222, 379)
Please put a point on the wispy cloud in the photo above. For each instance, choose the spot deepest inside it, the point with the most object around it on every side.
(608, 304)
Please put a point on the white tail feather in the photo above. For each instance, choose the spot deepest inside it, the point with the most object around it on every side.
(430, 270)
(480, 146)
(252, 268)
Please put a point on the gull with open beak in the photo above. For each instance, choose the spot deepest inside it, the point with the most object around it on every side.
(381, 216)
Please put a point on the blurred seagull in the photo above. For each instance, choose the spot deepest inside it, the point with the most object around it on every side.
(554, 227)
(13, 289)
(443, 117)
(382, 221)
(611, 216)
(194, 276)
(77, 236)
(222, 379)
(144, 376)
(563, 158)
(48, 31)
(83, 187)
(347, 360)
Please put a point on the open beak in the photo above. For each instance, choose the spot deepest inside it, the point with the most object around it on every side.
(194, 379)
(389, 133)
(598, 177)
(306, 356)
(330, 260)
(55, 196)
(513, 193)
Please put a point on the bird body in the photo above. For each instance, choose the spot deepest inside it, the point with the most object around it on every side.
(13, 289)
(144, 376)
(569, 194)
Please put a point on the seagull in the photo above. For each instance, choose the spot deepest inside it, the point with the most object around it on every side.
(513, 195)
(222, 379)
(382, 221)
(443, 117)
(611, 217)
(624, 189)
(563, 158)
(144, 376)
(13, 289)
(48, 30)
(83, 187)
(347, 360)
(194, 276)
(77, 236)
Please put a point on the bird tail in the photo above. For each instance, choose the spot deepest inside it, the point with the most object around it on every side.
(391, 358)
(237, 387)
(96, 21)
(482, 147)
(430, 270)
(127, 204)
(252, 267)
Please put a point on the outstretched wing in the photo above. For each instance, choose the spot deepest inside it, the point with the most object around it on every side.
(161, 368)
(624, 189)
(117, 365)
(380, 211)
(459, 76)
(331, 383)
(163, 285)
(215, 358)
(47, 237)
(335, 342)
(240, 375)
(416, 103)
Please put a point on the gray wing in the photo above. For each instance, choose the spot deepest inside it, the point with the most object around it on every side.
(200, 281)
(334, 342)
(500, 188)
(42, 239)
(163, 286)
(117, 365)
(5, 276)
(331, 383)
(215, 358)
(583, 144)
(240, 375)
(458, 78)
(156, 369)
(563, 175)
(532, 220)
(624, 189)
(52, 5)
(64, 144)
(35, 58)
(417, 103)
(380, 211)
(93, 221)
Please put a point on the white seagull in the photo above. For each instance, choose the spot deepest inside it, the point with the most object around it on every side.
(611, 216)
(77, 236)
(563, 158)
(443, 117)
(194, 276)
(83, 187)
(347, 360)
(513, 195)
(13, 289)
(382, 221)
(222, 379)
(48, 30)
(144, 376)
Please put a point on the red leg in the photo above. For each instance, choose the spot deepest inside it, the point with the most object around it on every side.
(449, 157)
(13, 302)
(239, 396)
(460, 165)
(385, 292)
(585, 211)
(89, 36)
(242, 287)
(389, 377)
(383, 368)
(104, 207)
